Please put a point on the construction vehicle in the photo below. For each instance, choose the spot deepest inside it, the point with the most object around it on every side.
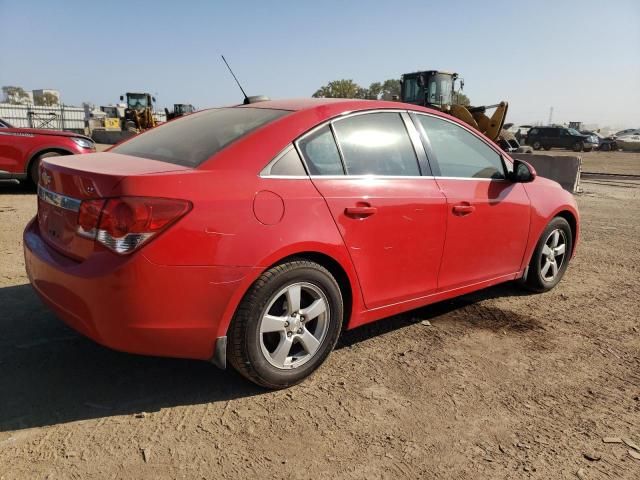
(138, 114)
(179, 109)
(436, 89)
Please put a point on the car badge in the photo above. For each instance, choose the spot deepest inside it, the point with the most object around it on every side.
(46, 178)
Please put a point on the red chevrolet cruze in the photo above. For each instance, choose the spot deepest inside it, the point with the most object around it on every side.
(255, 234)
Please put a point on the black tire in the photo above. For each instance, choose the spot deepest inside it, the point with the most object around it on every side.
(605, 147)
(34, 167)
(245, 340)
(536, 145)
(588, 149)
(578, 147)
(536, 280)
(547, 148)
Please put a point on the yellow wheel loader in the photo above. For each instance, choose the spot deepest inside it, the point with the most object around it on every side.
(437, 90)
(138, 114)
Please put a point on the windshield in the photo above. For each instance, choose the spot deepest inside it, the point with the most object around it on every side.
(574, 132)
(137, 102)
(440, 90)
(191, 140)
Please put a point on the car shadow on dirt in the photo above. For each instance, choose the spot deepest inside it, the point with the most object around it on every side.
(13, 187)
(467, 311)
(51, 375)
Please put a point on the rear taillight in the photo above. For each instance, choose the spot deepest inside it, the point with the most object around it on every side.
(123, 224)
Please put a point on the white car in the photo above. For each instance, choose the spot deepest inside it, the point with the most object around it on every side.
(629, 143)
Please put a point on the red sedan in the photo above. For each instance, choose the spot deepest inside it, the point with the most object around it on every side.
(21, 149)
(254, 234)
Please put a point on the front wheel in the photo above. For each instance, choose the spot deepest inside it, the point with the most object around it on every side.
(551, 256)
(286, 325)
(578, 146)
(536, 145)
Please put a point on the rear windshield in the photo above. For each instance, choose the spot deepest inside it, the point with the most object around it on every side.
(191, 140)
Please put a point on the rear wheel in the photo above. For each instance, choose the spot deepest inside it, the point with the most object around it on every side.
(286, 325)
(34, 168)
(578, 147)
(551, 256)
(605, 147)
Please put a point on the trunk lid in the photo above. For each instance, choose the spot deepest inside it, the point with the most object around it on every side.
(66, 181)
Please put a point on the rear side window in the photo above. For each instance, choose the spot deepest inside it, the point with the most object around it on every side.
(193, 139)
(459, 153)
(376, 144)
(534, 131)
(321, 153)
(287, 164)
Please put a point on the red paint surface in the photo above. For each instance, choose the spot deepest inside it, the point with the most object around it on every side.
(399, 241)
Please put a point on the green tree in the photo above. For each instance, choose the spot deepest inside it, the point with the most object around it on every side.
(340, 89)
(47, 99)
(390, 88)
(15, 95)
(461, 99)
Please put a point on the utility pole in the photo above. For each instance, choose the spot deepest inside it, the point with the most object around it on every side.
(550, 115)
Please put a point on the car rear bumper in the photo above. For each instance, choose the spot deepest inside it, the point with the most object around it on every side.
(131, 304)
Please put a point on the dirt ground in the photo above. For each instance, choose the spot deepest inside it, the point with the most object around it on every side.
(502, 384)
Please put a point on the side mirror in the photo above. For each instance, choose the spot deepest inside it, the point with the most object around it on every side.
(523, 172)
(153, 99)
(121, 98)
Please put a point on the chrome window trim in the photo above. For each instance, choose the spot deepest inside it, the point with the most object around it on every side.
(59, 200)
(425, 135)
(371, 177)
(421, 154)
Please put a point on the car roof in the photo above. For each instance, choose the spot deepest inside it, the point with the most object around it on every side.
(298, 104)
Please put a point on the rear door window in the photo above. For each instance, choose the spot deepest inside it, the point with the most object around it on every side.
(376, 144)
(191, 140)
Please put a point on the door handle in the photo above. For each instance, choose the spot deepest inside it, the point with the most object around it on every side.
(360, 211)
(463, 209)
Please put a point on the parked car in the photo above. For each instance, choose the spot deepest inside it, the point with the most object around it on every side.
(560, 137)
(255, 234)
(628, 131)
(629, 142)
(22, 149)
(604, 144)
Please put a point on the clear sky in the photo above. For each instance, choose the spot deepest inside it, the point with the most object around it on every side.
(581, 57)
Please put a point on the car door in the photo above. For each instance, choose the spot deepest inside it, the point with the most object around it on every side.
(565, 139)
(487, 215)
(369, 168)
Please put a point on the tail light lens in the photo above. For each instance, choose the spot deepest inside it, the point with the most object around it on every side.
(123, 224)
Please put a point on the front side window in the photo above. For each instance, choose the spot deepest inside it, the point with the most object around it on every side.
(321, 153)
(191, 140)
(458, 152)
(376, 144)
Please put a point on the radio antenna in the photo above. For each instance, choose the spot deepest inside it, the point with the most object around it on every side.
(246, 99)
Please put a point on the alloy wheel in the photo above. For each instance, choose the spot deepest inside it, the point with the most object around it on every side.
(553, 255)
(293, 325)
